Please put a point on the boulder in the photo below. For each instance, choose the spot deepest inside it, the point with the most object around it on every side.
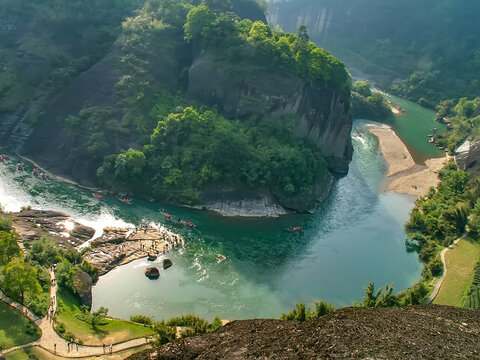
(152, 257)
(467, 157)
(167, 263)
(82, 283)
(152, 272)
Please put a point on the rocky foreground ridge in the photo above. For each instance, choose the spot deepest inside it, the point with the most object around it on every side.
(419, 332)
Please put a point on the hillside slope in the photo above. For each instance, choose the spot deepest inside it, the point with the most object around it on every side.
(429, 47)
(189, 102)
(422, 332)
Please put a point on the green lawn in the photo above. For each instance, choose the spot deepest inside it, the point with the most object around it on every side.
(45, 355)
(15, 328)
(114, 331)
(461, 261)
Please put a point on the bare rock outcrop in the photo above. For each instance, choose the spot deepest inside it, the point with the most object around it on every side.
(411, 333)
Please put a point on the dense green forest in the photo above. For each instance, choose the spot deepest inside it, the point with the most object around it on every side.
(368, 104)
(141, 131)
(442, 216)
(45, 44)
(424, 51)
(182, 149)
(463, 118)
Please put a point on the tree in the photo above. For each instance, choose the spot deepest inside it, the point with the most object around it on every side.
(199, 20)
(164, 334)
(97, 316)
(64, 274)
(8, 247)
(474, 222)
(44, 252)
(303, 33)
(362, 87)
(370, 298)
(5, 222)
(20, 278)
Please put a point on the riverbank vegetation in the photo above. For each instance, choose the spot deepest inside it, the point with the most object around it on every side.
(21, 279)
(442, 216)
(368, 104)
(191, 150)
(463, 118)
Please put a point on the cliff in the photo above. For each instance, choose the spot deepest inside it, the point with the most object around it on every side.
(416, 333)
(149, 72)
(467, 157)
(323, 115)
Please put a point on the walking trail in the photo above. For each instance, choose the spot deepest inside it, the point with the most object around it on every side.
(55, 344)
(439, 283)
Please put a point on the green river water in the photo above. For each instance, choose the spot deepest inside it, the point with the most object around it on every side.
(357, 236)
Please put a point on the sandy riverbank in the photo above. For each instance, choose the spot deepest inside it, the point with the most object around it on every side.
(403, 175)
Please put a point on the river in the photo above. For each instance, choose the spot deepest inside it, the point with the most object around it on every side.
(356, 237)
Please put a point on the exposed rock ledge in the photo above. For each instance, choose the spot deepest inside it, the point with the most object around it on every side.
(263, 206)
(467, 157)
(242, 202)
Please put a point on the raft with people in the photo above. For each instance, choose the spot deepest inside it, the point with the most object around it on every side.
(167, 215)
(187, 223)
(97, 196)
(126, 200)
(294, 229)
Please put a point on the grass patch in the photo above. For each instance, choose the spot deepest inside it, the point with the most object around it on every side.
(113, 331)
(15, 328)
(41, 354)
(461, 261)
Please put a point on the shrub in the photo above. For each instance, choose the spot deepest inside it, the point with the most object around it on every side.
(215, 325)
(436, 266)
(60, 328)
(69, 335)
(141, 319)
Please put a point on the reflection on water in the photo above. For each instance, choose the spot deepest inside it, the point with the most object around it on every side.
(356, 237)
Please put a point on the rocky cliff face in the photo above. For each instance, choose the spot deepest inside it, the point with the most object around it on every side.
(323, 115)
(261, 203)
(82, 283)
(467, 157)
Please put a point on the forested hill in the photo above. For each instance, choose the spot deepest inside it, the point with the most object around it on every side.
(429, 49)
(174, 99)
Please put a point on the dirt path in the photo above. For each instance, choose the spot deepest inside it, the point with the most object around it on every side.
(439, 283)
(55, 344)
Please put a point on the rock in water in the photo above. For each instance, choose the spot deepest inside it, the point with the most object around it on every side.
(82, 283)
(152, 272)
(152, 257)
(167, 263)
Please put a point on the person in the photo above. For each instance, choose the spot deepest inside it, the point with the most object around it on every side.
(111, 349)
(104, 348)
(68, 347)
(76, 343)
(55, 348)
